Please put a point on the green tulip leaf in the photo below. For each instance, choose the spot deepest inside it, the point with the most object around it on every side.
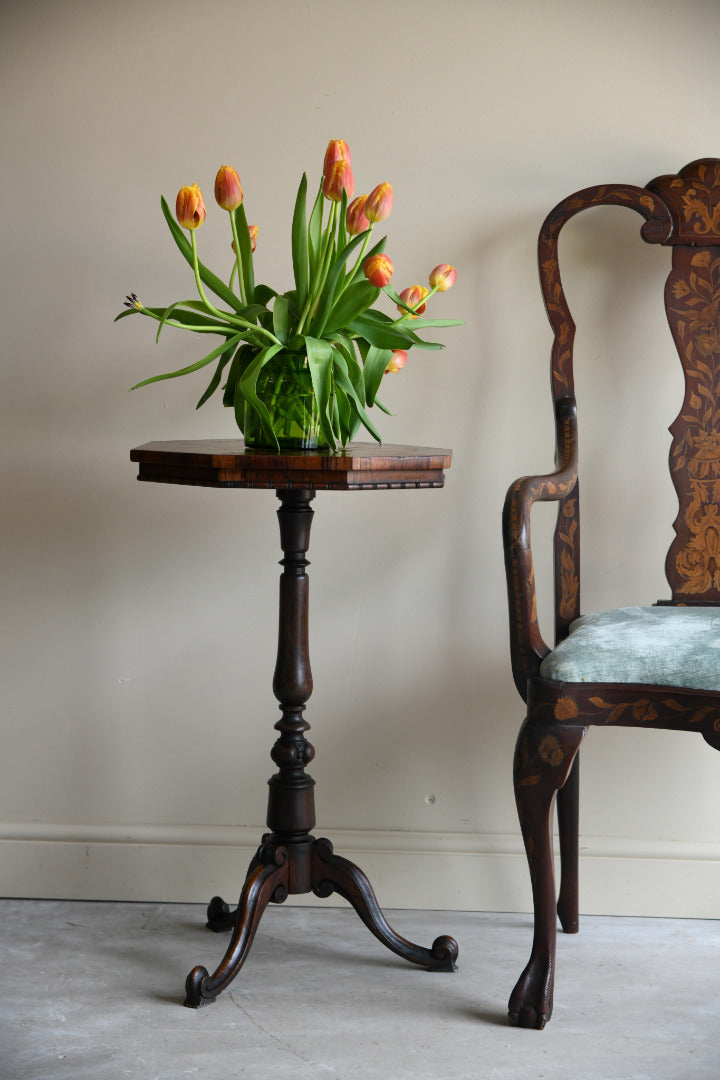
(418, 343)
(346, 418)
(352, 302)
(383, 335)
(342, 222)
(211, 280)
(328, 292)
(355, 371)
(189, 320)
(225, 357)
(246, 257)
(200, 324)
(373, 370)
(263, 295)
(320, 362)
(241, 360)
(422, 324)
(395, 297)
(231, 343)
(315, 234)
(281, 318)
(245, 391)
(342, 380)
(300, 243)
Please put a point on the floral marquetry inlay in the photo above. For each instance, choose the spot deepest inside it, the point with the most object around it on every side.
(693, 301)
(693, 198)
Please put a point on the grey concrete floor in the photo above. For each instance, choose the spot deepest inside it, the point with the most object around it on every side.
(94, 990)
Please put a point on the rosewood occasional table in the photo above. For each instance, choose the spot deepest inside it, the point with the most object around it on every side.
(290, 859)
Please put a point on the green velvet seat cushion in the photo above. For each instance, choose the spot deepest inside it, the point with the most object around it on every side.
(671, 646)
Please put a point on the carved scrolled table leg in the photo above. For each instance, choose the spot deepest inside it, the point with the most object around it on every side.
(267, 881)
(331, 873)
(220, 917)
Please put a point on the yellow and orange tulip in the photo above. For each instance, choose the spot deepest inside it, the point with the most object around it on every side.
(443, 277)
(338, 150)
(379, 203)
(397, 362)
(337, 179)
(378, 269)
(355, 221)
(189, 207)
(411, 297)
(253, 230)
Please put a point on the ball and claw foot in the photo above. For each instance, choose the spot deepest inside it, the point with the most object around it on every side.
(531, 1002)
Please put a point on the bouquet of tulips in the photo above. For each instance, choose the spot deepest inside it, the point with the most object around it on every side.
(325, 327)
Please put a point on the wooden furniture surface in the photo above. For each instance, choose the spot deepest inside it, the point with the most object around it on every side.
(682, 212)
(227, 463)
(290, 860)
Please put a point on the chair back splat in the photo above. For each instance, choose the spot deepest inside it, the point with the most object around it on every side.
(651, 667)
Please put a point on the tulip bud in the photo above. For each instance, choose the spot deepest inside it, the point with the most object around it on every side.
(443, 277)
(189, 207)
(412, 296)
(338, 178)
(338, 150)
(228, 190)
(397, 362)
(253, 230)
(378, 269)
(355, 221)
(379, 203)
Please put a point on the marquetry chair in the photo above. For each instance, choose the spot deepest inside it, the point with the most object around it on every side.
(650, 667)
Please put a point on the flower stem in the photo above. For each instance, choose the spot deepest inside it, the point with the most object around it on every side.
(361, 256)
(410, 314)
(324, 267)
(198, 280)
(215, 328)
(238, 262)
(235, 320)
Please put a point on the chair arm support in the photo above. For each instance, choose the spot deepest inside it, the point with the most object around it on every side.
(527, 647)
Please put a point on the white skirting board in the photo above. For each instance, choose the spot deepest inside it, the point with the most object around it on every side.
(442, 871)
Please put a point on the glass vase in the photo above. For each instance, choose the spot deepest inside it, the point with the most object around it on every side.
(284, 386)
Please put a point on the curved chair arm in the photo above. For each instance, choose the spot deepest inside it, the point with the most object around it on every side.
(526, 643)
(527, 647)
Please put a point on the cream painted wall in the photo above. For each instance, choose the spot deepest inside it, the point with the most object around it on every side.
(138, 623)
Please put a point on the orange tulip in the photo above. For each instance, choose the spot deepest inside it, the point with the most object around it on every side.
(412, 296)
(355, 221)
(338, 150)
(253, 230)
(378, 269)
(189, 207)
(443, 277)
(228, 189)
(338, 178)
(379, 203)
(397, 362)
